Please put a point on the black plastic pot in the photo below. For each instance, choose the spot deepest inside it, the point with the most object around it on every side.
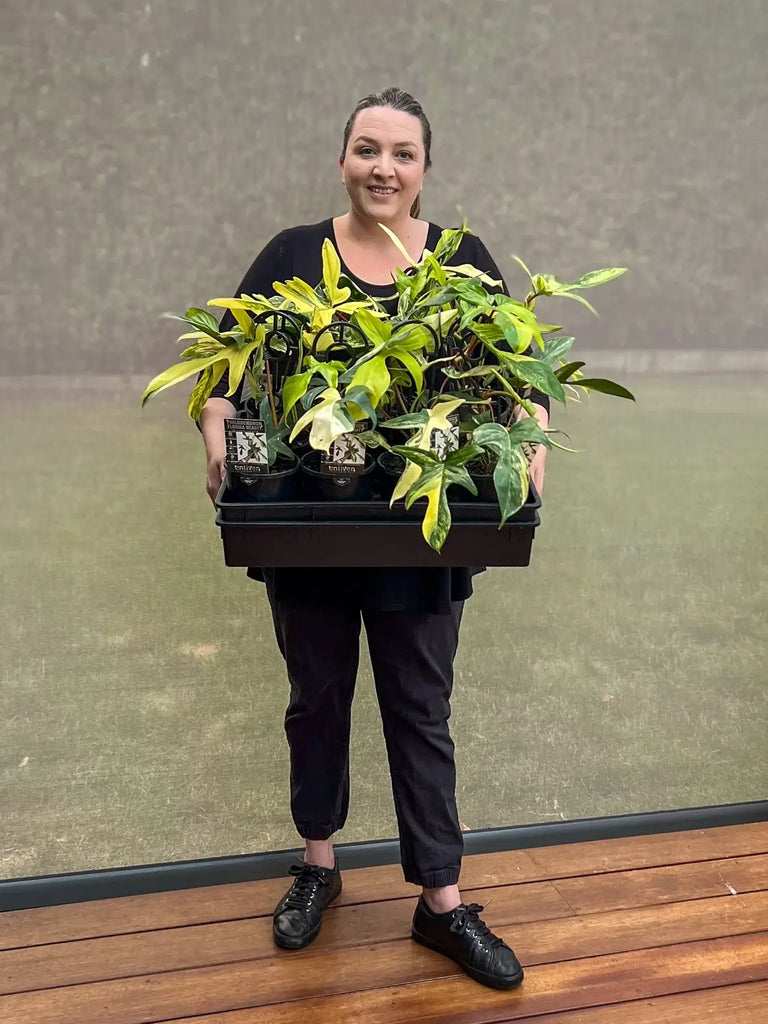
(484, 484)
(279, 484)
(336, 487)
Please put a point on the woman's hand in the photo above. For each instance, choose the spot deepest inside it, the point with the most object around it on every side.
(536, 467)
(215, 411)
(214, 475)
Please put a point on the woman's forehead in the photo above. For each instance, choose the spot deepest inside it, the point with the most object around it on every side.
(389, 124)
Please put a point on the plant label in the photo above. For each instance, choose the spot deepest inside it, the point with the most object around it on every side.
(246, 442)
(345, 458)
(445, 441)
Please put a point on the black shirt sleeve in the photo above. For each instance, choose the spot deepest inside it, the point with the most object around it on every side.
(274, 263)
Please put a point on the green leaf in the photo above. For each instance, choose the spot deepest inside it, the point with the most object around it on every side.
(202, 318)
(212, 332)
(608, 387)
(535, 373)
(577, 298)
(361, 398)
(528, 429)
(564, 372)
(596, 277)
(410, 421)
(449, 242)
(511, 482)
(517, 334)
(555, 349)
(412, 366)
(518, 260)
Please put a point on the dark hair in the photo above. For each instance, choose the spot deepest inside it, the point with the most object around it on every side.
(397, 99)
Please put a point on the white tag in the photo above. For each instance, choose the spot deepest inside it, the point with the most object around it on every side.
(345, 457)
(445, 441)
(246, 442)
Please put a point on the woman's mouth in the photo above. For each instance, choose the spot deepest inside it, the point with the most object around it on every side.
(381, 190)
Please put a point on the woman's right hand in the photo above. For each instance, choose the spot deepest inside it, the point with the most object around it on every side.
(214, 475)
(215, 412)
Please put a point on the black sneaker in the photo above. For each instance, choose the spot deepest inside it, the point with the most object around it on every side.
(465, 939)
(299, 914)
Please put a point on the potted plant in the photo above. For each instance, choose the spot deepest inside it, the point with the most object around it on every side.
(444, 384)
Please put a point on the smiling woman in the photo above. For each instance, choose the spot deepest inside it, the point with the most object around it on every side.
(411, 616)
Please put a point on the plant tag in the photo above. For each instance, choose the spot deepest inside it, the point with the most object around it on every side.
(246, 442)
(346, 456)
(445, 441)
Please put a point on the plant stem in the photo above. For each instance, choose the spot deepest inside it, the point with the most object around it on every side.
(270, 395)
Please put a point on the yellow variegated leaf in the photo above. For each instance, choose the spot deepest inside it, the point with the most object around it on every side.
(330, 394)
(373, 375)
(176, 374)
(409, 476)
(467, 270)
(399, 245)
(438, 418)
(256, 304)
(239, 358)
(327, 425)
(331, 272)
(299, 293)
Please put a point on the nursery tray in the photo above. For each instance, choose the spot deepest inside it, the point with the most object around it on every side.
(369, 533)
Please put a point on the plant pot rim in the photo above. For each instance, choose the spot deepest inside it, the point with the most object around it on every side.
(269, 472)
(368, 466)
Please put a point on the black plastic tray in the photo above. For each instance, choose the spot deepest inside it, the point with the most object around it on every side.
(369, 533)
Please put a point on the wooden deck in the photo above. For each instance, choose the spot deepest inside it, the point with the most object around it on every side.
(665, 928)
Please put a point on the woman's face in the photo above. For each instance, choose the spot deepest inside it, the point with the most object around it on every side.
(383, 166)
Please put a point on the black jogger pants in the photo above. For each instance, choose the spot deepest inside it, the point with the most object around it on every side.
(412, 658)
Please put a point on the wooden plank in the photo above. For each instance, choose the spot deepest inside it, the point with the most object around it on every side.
(379, 985)
(238, 900)
(652, 851)
(530, 918)
(234, 901)
(589, 894)
(68, 963)
(739, 1004)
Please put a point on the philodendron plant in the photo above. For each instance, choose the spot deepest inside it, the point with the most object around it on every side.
(453, 368)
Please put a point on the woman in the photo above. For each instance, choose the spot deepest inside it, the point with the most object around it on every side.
(411, 616)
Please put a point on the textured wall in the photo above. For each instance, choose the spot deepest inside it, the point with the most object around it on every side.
(154, 147)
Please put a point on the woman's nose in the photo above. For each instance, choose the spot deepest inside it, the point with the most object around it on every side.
(384, 165)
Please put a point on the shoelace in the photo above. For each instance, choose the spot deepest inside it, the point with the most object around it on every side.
(308, 878)
(468, 920)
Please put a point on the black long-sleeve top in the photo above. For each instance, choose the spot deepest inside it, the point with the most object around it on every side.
(297, 252)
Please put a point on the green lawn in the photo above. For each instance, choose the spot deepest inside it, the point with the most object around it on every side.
(142, 695)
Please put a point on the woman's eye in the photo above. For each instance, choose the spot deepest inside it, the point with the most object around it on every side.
(407, 153)
(365, 150)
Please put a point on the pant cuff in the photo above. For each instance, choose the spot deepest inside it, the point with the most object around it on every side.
(317, 832)
(433, 879)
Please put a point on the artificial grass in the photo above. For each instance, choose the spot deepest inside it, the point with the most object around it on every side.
(142, 693)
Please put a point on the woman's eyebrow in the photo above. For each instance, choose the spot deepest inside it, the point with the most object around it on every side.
(375, 142)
